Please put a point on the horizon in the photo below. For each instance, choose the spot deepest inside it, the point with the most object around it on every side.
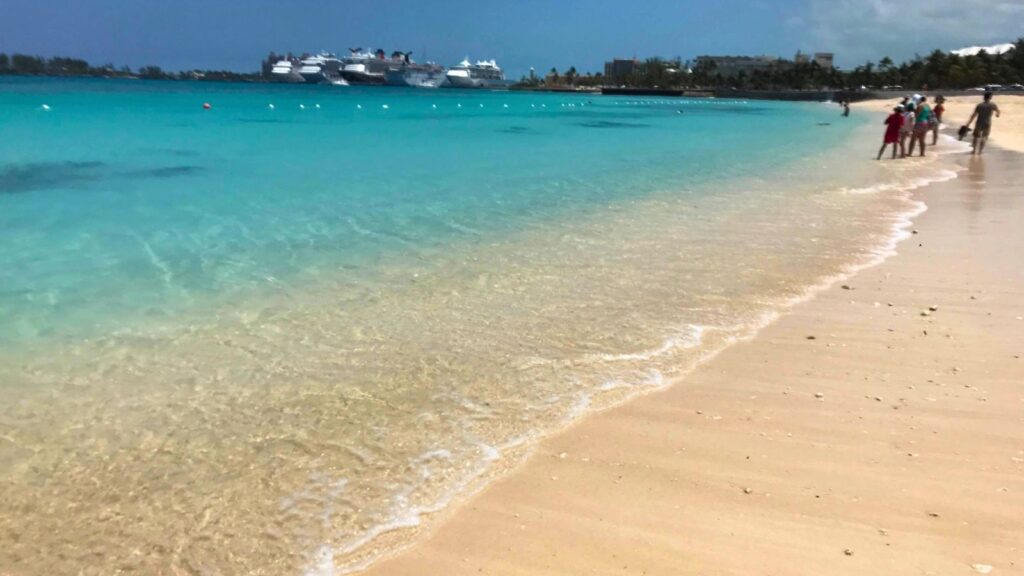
(193, 35)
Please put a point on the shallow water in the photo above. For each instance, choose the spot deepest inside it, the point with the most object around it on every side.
(274, 340)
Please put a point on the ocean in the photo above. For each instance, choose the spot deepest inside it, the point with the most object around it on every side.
(282, 335)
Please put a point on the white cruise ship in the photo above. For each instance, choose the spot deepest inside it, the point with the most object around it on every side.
(364, 67)
(402, 71)
(285, 70)
(483, 74)
(322, 68)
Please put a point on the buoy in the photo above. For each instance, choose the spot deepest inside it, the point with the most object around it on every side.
(46, 107)
(270, 106)
(206, 106)
(481, 105)
(359, 106)
(459, 105)
(505, 105)
(434, 106)
(302, 106)
(384, 106)
(317, 106)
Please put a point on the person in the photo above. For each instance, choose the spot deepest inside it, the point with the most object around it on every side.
(846, 108)
(907, 128)
(922, 125)
(892, 132)
(983, 112)
(937, 113)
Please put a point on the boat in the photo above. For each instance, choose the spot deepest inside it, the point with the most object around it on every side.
(483, 74)
(320, 69)
(404, 72)
(364, 67)
(285, 71)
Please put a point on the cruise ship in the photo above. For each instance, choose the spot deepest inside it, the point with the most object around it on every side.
(364, 67)
(285, 70)
(322, 68)
(483, 74)
(402, 71)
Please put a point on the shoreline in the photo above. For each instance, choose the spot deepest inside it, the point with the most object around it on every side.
(1007, 131)
(479, 519)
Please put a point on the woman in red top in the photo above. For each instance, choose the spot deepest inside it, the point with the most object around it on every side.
(892, 132)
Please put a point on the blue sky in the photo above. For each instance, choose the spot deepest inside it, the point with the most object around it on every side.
(236, 34)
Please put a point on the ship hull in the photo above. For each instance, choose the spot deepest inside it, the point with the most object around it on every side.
(415, 78)
(464, 81)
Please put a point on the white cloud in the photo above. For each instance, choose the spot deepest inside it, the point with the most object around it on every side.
(861, 30)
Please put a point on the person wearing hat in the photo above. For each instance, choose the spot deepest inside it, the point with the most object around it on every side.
(937, 112)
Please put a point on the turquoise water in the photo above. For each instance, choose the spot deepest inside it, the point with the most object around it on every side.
(278, 340)
(128, 201)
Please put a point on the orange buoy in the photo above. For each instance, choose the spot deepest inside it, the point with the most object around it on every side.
(206, 106)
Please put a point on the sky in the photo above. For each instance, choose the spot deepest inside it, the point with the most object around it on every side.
(237, 34)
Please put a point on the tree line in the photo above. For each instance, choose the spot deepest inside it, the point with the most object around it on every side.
(26, 65)
(936, 70)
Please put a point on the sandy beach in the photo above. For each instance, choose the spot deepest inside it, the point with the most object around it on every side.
(1007, 131)
(875, 429)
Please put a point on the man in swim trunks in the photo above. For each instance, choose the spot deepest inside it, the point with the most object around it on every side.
(983, 112)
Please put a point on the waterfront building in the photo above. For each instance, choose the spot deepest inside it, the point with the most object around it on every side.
(825, 59)
(729, 66)
(619, 69)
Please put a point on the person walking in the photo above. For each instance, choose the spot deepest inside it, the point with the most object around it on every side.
(983, 112)
(892, 132)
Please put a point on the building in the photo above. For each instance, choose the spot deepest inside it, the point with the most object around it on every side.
(801, 58)
(729, 66)
(825, 59)
(621, 68)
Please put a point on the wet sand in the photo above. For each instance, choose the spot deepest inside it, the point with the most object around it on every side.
(875, 429)
(1007, 130)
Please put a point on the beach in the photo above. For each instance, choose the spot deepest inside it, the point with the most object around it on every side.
(1008, 130)
(874, 429)
(301, 338)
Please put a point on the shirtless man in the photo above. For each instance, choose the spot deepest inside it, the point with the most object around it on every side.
(983, 112)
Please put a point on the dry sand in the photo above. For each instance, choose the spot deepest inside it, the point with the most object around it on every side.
(1007, 130)
(891, 443)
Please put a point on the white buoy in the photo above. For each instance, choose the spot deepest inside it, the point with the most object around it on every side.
(459, 105)
(533, 105)
(302, 106)
(317, 106)
(481, 105)
(505, 105)
(359, 106)
(543, 105)
(434, 106)
(384, 106)
(270, 106)
(45, 107)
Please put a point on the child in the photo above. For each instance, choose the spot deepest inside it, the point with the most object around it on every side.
(907, 129)
(937, 118)
(892, 132)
